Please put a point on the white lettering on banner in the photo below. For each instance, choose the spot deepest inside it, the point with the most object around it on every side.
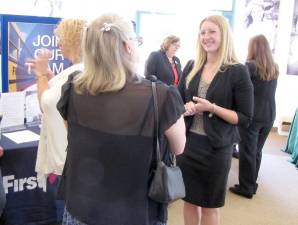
(57, 69)
(21, 184)
(46, 41)
(56, 54)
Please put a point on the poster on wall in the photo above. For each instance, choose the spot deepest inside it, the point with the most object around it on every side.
(292, 67)
(261, 17)
(24, 40)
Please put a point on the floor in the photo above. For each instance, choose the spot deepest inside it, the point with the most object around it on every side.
(276, 202)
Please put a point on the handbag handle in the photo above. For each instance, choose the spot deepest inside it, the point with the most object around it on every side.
(156, 123)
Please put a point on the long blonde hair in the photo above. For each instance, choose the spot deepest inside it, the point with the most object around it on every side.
(106, 61)
(259, 52)
(227, 54)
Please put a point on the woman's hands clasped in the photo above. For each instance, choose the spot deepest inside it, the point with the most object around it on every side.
(198, 105)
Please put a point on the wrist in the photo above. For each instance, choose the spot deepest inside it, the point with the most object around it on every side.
(42, 75)
(212, 109)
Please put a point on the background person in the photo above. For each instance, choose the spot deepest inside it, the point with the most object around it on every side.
(163, 63)
(218, 96)
(264, 73)
(53, 135)
(110, 120)
(53, 143)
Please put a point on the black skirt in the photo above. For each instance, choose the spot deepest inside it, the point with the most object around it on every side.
(205, 171)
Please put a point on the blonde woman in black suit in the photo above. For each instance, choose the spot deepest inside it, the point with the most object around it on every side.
(264, 73)
(218, 96)
(164, 64)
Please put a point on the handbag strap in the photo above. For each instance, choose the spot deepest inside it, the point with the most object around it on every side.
(156, 123)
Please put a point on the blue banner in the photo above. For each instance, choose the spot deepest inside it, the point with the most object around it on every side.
(22, 38)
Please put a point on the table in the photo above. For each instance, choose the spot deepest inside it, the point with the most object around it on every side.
(292, 143)
(27, 202)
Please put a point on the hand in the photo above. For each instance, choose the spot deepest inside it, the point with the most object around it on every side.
(1, 151)
(202, 105)
(190, 109)
(40, 64)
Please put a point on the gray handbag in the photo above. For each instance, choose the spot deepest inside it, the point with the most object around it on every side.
(167, 183)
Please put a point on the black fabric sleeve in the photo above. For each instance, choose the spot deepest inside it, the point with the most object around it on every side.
(62, 105)
(151, 63)
(182, 84)
(243, 96)
(251, 68)
(171, 110)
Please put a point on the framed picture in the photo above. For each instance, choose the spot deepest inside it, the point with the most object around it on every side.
(292, 66)
(261, 17)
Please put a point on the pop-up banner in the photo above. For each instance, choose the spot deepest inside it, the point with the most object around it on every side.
(22, 37)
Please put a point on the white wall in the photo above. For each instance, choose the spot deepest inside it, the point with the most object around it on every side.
(91, 9)
(188, 14)
(287, 89)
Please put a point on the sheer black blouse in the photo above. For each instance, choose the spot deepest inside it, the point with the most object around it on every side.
(110, 146)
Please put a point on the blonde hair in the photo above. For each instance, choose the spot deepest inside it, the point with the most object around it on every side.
(259, 52)
(106, 61)
(168, 41)
(69, 32)
(226, 53)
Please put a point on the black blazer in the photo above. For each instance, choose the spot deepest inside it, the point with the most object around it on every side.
(159, 65)
(231, 89)
(264, 96)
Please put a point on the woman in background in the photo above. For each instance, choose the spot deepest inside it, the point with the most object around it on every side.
(53, 135)
(164, 64)
(264, 73)
(110, 120)
(218, 96)
(51, 150)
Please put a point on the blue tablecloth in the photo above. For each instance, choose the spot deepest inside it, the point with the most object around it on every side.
(27, 201)
(292, 144)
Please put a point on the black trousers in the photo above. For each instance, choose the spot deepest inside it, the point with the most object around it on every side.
(250, 153)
